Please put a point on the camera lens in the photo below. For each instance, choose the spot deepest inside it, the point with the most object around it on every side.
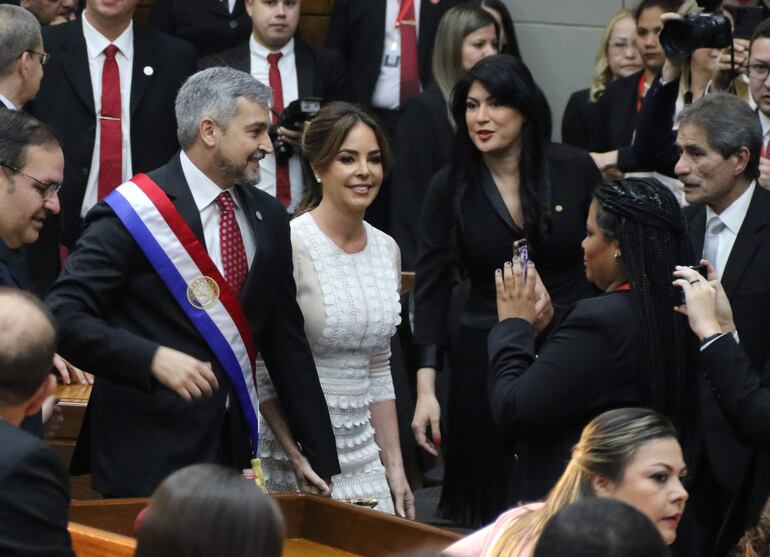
(680, 37)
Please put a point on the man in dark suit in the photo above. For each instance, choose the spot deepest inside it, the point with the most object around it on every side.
(21, 61)
(719, 138)
(162, 399)
(211, 26)
(138, 130)
(299, 72)
(34, 496)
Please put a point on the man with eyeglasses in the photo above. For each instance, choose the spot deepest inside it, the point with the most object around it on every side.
(21, 56)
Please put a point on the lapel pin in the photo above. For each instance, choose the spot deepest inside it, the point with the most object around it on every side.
(259, 215)
(559, 208)
(148, 70)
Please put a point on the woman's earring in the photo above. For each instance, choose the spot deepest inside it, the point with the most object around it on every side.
(317, 179)
(617, 255)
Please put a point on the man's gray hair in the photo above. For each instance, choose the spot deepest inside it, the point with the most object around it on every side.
(19, 32)
(729, 124)
(213, 93)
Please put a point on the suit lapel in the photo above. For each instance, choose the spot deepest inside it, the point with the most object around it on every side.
(16, 267)
(493, 194)
(143, 65)
(697, 225)
(215, 6)
(178, 190)
(74, 58)
(252, 208)
(305, 69)
(241, 59)
(746, 243)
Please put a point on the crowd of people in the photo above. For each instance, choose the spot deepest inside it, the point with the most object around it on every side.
(216, 216)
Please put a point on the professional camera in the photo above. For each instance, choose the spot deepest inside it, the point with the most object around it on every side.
(293, 117)
(680, 37)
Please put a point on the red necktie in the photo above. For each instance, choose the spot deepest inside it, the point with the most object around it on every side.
(765, 152)
(234, 260)
(282, 185)
(111, 146)
(410, 76)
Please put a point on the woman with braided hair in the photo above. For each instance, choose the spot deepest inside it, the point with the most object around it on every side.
(623, 348)
(628, 454)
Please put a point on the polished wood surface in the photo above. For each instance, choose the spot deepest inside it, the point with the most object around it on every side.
(91, 542)
(314, 527)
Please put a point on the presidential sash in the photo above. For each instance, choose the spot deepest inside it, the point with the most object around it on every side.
(191, 277)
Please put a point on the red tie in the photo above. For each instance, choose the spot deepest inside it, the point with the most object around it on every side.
(765, 151)
(282, 186)
(410, 76)
(234, 260)
(111, 147)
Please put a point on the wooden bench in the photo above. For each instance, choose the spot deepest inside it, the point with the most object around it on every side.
(314, 527)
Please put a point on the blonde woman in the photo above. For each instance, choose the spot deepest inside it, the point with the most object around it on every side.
(629, 454)
(616, 57)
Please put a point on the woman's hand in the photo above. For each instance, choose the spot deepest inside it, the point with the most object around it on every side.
(516, 295)
(724, 70)
(403, 500)
(307, 480)
(543, 306)
(701, 302)
(427, 412)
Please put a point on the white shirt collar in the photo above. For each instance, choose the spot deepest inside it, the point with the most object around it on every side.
(203, 189)
(96, 42)
(8, 104)
(261, 51)
(734, 215)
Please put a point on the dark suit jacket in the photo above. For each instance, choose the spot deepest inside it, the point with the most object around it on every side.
(320, 71)
(616, 119)
(422, 147)
(114, 312)
(745, 282)
(34, 497)
(579, 121)
(66, 103)
(590, 364)
(357, 31)
(206, 24)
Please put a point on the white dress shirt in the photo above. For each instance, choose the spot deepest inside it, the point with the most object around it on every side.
(733, 218)
(260, 69)
(95, 45)
(8, 104)
(387, 91)
(204, 192)
(765, 122)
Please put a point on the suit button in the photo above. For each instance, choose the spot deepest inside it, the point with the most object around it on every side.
(85, 170)
(233, 24)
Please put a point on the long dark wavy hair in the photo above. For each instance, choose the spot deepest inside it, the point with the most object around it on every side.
(644, 217)
(510, 82)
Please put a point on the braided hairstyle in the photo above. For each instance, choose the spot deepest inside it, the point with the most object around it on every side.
(646, 220)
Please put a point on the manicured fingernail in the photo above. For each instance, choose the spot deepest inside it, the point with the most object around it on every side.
(498, 271)
(508, 263)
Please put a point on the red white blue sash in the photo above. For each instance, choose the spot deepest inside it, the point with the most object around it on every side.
(190, 275)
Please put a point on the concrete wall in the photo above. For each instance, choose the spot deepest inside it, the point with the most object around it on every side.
(558, 41)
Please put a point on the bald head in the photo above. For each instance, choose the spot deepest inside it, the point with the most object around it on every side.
(27, 346)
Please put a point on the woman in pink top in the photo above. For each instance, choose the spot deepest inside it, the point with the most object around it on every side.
(630, 454)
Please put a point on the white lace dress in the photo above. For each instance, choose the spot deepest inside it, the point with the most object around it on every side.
(351, 307)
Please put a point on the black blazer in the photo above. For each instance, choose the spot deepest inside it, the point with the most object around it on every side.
(487, 231)
(589, 364)
(206, 24)
(616, 119)
(745, 282)
(579, 121)
(114, 312)
(422, 147)
(66, 103)
(320, 71)
(357, 31)
(34, 497)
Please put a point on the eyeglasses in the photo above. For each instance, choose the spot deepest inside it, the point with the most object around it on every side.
(758, 71)
(44, 56)
(46, 191)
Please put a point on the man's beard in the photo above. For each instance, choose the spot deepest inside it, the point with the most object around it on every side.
(237, 173)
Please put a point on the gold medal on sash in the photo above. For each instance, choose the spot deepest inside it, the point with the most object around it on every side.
(202, 292)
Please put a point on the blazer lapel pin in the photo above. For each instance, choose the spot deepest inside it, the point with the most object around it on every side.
(148, 70)
(258, 215)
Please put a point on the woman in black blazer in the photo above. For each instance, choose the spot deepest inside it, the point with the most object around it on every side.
(465, 35)
(504, 183)
(623, 348)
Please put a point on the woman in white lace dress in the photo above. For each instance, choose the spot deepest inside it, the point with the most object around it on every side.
(348, 278)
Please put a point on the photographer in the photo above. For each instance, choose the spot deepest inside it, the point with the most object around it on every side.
(294, 70)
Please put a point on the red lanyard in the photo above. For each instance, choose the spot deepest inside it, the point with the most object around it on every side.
(624, 286)
(640, 98)
(406, 5)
